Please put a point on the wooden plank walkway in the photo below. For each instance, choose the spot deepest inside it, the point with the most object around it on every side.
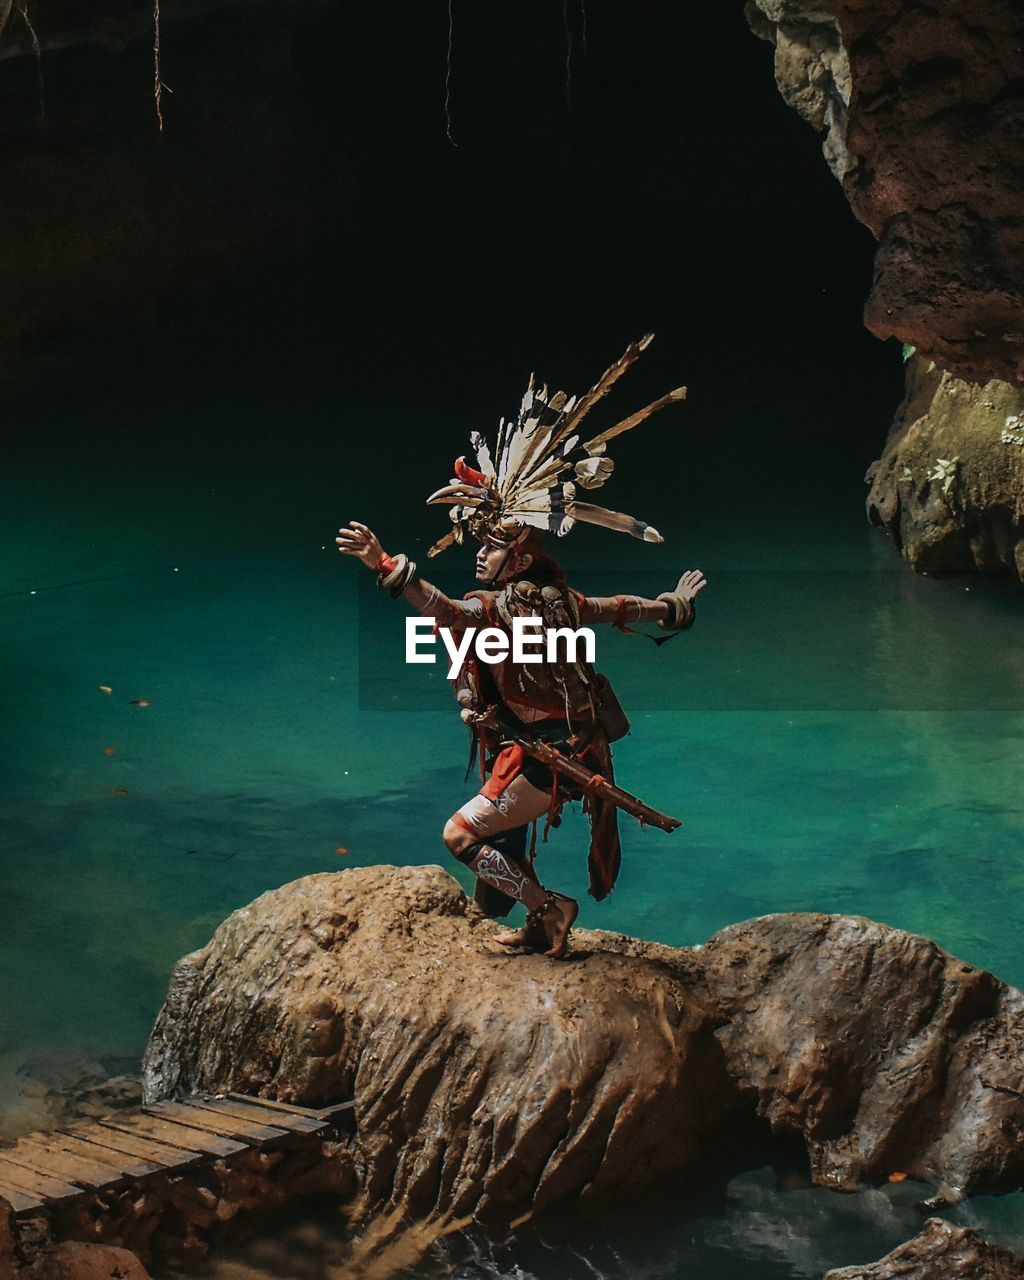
(60, 1165)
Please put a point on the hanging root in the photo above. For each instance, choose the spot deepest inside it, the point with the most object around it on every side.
(158, 84)
(448, 78)
(37, 50)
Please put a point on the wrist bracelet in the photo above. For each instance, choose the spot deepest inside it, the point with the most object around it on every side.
(681, 613)
(396, 578)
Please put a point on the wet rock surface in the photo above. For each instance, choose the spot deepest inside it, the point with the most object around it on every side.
(922, 115)
(949, 486)
(490, 1083)
(941, 1252)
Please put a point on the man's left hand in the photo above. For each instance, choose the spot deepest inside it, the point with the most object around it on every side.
(691, 584)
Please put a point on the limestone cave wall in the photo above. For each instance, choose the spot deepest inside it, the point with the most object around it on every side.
(921, 109)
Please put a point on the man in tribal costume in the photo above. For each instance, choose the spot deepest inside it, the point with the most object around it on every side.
(531, 485)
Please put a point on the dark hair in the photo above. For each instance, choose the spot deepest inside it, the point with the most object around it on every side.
(543, 569)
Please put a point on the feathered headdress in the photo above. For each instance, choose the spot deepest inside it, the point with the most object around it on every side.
(539, 465)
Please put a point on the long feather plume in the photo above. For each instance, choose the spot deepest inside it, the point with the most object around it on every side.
(617, 521)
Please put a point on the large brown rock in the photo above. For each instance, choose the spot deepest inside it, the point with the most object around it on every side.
(923, 121)
(949, 486)
(74, 1261)
(489, 1083)
(484, 1082)
(940, 1252)
(886, 1055)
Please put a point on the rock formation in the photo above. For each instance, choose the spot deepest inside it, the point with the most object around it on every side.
(493, 1084)
(949, 487)
(940, 1252)
(883, 1053)
(485, 1083)
(922, 114)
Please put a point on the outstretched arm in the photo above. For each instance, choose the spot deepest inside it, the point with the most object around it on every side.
(357, 540)
(674, 610)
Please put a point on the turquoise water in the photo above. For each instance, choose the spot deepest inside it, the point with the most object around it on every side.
(836, 734)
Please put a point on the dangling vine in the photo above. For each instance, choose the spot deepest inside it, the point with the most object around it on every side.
(448, 78)
(158, 84)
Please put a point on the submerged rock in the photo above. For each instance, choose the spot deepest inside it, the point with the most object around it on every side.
(940, 1252)
(949, 487)
(490, 1084)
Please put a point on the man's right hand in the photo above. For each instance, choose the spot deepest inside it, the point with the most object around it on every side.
(359, 541)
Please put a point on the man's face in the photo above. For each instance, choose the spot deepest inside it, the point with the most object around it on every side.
(494, 563)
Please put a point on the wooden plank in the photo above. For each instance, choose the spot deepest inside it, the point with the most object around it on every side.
(338, 1109)
(175, 1135)
(132, 1144)
(19, 1201)
(274, 1104)
(36, 1184)
(314, 1113)
(208, 1122)
(52, 1162)
(259, 1115)
(120, 1164)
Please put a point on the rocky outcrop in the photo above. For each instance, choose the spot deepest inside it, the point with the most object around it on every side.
(492, 1084)
(949, 486)
(883, 1053)
(941, 1252)
(922, 112)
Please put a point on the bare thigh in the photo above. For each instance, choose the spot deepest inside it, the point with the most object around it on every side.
(519, 803)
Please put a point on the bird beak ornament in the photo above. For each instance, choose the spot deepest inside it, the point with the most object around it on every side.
(539, 467)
